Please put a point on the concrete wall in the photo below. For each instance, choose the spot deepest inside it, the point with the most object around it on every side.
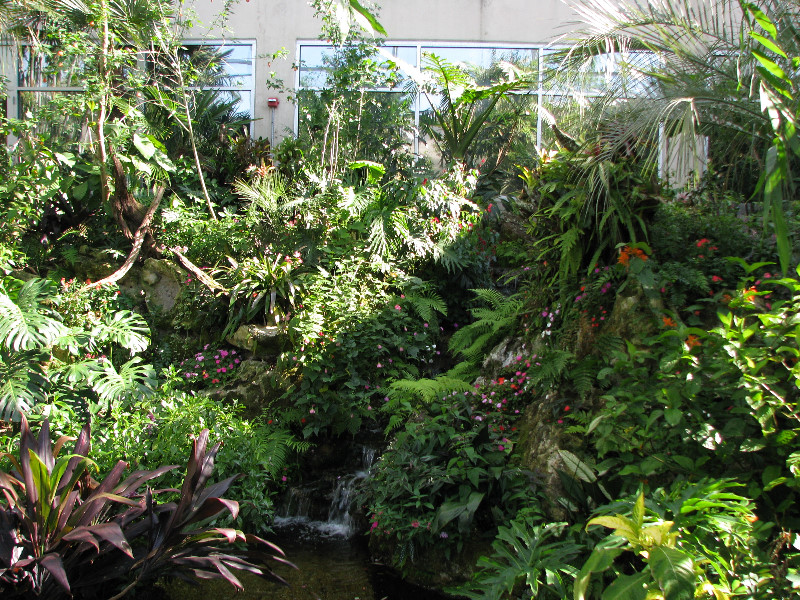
(274, 24)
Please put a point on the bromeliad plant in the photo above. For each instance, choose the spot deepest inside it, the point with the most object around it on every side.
(65, 535)
(264, 288)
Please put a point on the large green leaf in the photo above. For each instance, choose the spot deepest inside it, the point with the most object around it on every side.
(22, 382)
(674, 571)
(125, 328)
(366, 19)
(26, 323)
(627, 587)
(599, 561)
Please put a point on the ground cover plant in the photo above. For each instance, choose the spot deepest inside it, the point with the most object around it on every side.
(584, 385)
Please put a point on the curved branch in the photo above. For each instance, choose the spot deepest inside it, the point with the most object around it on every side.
(138, 240)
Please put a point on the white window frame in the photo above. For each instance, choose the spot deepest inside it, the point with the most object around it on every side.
(9, 59)
(421, 45)
(222, 44)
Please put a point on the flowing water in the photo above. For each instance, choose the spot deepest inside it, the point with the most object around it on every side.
(318, 532)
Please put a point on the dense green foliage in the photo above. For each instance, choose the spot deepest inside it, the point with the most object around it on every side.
(577, 373)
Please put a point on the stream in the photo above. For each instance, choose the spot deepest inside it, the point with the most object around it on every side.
(318, 532)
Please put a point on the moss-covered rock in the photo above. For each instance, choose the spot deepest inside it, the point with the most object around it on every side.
(260, 340)
(541, 437)
(256, 385)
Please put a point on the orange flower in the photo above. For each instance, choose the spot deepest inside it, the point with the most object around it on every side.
(750, 294)
(668, 322)
(639, 253)
(627, 253)
(624, 256)
(692, 341)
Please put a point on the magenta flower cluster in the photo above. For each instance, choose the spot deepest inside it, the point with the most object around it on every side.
(209, 365)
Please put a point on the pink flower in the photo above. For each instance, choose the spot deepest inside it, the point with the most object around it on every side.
(374, 525)
(415, 524)
(397, 307)
(283, 478)
(501, 447)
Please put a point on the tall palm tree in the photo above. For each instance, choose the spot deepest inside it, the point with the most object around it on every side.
(703, 68)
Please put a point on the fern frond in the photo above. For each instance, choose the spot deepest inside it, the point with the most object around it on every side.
(583, 376)
(426, 303)
(429, 390)
(276, 447)
(610, 345)
(492, 297)
(465, 371)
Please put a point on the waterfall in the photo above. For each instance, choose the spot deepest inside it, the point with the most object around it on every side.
(323, 507)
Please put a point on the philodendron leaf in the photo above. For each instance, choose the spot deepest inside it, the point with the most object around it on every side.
(599, 560)
(622, 527)
(674, 571)
(627, 587)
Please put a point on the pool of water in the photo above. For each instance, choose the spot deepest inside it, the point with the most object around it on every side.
(330, 566)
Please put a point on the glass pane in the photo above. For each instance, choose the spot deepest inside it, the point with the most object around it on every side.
(220, 65)
(242, 100)
(568, 113)
(373, 125)
(482, 63)
(623, 74)
(634, 74)
(315, 56)
(313, 78)
(374, 71)
(45, 67)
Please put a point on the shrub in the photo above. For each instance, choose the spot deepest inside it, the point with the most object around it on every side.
(64, 535)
